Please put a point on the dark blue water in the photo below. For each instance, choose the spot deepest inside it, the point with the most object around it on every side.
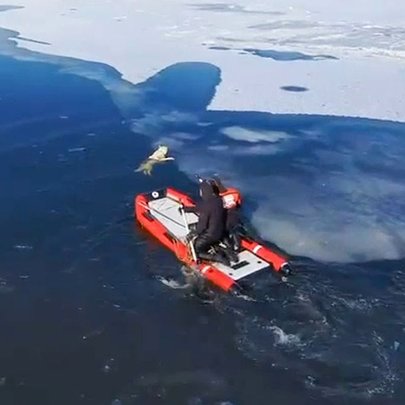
(286, 56)
(280, 56)
(84, 318)
(297, 89)
(232, 8)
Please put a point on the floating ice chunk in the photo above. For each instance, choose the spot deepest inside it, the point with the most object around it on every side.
(74, 150)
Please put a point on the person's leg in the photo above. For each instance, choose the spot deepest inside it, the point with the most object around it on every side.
(235, 239)
(201, 245)
(228, 250)
(232, 239)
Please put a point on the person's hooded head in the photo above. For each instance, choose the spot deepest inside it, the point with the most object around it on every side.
(206, 190)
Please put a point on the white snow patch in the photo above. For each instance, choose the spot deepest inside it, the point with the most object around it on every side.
(368, 39)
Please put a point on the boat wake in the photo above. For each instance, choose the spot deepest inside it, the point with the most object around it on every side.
(329, 335)
(171, 283)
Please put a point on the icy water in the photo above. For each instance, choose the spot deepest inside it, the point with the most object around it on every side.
(84, 315)
(280, 56)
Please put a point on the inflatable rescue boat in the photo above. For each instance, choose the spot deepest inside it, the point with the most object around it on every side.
(158, 213)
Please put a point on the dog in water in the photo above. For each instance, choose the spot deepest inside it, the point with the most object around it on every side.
(158, 156)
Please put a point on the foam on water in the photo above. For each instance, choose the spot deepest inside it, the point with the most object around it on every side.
(326, 345)
(283, 338)
(172, 283)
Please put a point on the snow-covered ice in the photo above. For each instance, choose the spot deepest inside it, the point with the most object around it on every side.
(139, 38)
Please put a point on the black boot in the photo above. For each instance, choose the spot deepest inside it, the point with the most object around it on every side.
(220, 257)
(230, 254)
(230, 250)
(214, 257)
(235, 241)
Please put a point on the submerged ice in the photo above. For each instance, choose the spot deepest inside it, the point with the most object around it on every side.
(328, 188)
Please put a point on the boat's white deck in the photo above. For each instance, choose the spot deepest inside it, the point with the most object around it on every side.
(166, 211)
(248, 264)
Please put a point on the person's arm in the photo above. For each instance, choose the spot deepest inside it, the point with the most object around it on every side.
(195, 209)
(202, 224)
(190, 209)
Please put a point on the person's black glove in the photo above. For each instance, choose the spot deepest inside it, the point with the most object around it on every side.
(191, 235)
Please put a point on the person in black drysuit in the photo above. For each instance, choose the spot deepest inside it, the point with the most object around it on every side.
(233, 219)
(211, 222)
